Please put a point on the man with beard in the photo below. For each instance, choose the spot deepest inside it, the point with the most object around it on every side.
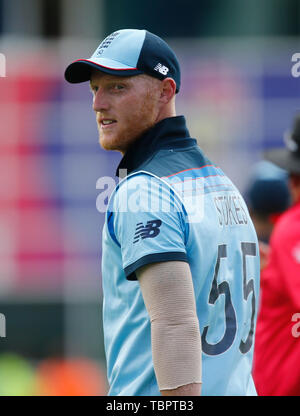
(180, 263)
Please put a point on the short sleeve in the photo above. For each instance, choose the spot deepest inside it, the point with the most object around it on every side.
(147, 221)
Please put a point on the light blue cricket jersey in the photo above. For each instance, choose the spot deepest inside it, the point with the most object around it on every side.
(176, 205)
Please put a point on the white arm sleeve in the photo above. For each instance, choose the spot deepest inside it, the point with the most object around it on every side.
(168, 293)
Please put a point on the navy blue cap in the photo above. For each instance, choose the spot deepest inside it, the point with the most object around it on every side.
(267, 191)
(128, 52)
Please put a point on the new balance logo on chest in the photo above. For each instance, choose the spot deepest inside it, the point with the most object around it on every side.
(161, 69)
(150, 230)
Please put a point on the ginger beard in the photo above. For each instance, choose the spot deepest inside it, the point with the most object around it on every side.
(135, 112)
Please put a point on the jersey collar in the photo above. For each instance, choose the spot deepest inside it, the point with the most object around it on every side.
(169, 133)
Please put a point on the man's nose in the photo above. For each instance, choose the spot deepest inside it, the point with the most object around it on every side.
(100, 101)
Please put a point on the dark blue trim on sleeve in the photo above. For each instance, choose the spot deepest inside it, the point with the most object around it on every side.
(153, 258)
(110, 226)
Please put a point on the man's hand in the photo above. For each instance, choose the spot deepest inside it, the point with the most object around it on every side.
(193, 389)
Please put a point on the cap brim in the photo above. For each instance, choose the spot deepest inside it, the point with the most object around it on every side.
(284, 159)
(80, 70)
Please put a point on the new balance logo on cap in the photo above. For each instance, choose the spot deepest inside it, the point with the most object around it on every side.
(162, 69)
(150, 230)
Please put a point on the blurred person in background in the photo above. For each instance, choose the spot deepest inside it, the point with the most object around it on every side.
(267, 196)
(164, 270)
(277, 346)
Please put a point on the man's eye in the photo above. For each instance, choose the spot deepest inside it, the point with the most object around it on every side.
(118, 87)
(94, 90)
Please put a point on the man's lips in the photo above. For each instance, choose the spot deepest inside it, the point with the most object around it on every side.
(106, 122)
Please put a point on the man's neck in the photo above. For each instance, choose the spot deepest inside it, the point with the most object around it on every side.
(159, 118)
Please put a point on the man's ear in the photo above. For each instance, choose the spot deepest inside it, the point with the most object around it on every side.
(168, 90)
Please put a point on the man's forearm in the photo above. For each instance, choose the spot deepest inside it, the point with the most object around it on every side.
(168, 293)
(176, 352)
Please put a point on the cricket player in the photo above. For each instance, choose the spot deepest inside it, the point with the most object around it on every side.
(180, 265)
